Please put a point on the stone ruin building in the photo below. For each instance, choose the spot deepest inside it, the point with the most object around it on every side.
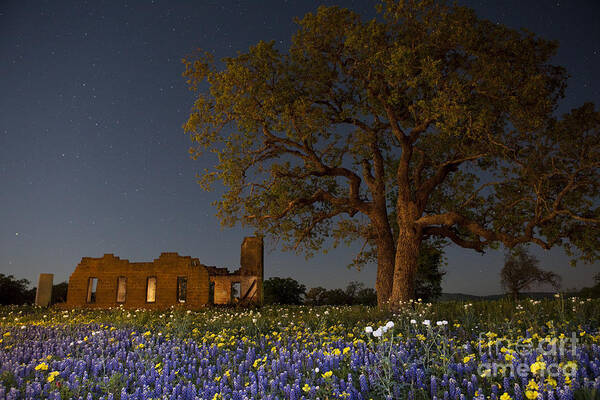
(170, 280)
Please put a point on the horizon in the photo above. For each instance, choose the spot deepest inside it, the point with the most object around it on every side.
(93, 158)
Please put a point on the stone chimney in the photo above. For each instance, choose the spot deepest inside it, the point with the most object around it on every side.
(252, 257)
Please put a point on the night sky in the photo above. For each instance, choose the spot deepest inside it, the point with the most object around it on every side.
(93, 158)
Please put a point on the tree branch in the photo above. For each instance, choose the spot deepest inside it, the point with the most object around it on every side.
(447, 232)
(451, 219)
(315, 221)
(427, 187)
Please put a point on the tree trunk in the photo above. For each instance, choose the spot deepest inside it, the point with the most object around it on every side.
(405, 266)
(385, 270)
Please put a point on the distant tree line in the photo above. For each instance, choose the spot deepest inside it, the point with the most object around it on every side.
(428, 286)
(17, 292)
(591, 292)
(355, 293)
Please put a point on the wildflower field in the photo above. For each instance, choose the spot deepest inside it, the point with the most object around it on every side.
(546, 349)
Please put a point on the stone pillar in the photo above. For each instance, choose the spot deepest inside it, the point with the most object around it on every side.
(252, 257)
(43, 294)
(252, 262)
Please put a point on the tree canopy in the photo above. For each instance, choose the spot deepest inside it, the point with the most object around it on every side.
(283, 291)
(424, 122)
(15, 291)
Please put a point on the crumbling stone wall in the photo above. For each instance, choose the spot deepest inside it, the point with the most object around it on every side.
(249, 276)
(166, 269)
(166, 272)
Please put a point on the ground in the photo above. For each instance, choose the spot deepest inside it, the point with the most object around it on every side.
(491, 349)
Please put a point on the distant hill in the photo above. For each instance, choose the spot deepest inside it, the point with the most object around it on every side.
(472, 297)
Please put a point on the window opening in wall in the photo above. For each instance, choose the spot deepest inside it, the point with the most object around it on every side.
(91, 293)
(181, 289)
(211, 293)
(121, 289)
(235, 292)
(151, 289)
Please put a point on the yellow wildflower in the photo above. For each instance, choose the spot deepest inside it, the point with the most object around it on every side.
(532, 394)
(327, 374)
(53, 375)
(41, 367)
(538, 366)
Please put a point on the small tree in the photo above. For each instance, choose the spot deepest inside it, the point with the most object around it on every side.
(283, 291)
(367, 297)
(337, 297)
(521, 271)
(428, 283)
(591, 292)
(15, 291)
(316, 296)
(59, 292)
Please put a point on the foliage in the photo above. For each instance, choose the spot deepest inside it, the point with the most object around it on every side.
(15, 291)
(59, 292)
(425, 120)
(316, 296)
(355, 294)
(428, 281)
(283, 291)
(591, 292)
(423, 351)
(521, 271)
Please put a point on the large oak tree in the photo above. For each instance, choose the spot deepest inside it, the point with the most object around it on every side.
(425, 122)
